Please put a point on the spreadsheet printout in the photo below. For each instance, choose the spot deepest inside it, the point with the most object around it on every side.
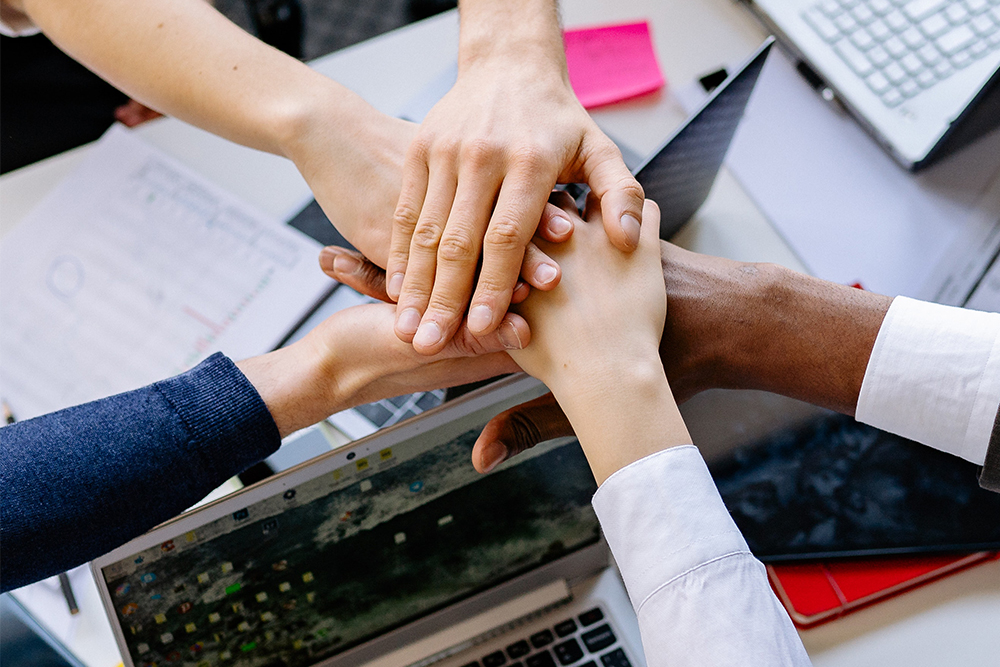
(134, 269)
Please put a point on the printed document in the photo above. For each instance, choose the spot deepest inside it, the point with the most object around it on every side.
(134, 269)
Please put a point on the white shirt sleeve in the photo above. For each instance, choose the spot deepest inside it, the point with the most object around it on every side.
(14, 23)
(701, 597)
(934, 377)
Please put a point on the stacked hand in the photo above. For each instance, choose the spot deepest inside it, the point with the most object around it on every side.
(475, 184)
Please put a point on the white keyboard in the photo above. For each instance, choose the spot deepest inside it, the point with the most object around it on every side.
(903, 47)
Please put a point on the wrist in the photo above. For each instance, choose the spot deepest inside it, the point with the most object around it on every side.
(715, 311)
(600, 382)
(804, 338)
(618, 424)
(318, 114)
(293, 386)
(531, 37)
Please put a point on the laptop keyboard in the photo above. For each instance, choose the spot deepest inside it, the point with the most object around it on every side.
(903, 47)
(586, 640)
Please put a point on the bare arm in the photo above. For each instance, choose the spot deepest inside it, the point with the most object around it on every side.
(353, 357)
(198, 66)
(740, 325)
(729, 324)
(481, 168)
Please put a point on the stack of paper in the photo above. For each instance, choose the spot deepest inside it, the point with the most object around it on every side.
(134, 269)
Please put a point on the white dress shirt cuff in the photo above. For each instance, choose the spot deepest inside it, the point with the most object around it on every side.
(669, 493)
(934, 377)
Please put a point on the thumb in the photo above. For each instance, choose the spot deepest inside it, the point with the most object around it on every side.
(520, 428)
(354, 270)
(620, 194)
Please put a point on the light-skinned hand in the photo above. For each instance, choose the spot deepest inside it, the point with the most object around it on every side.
(475, 183)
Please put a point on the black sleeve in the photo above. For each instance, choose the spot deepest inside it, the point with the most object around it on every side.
(79, 482)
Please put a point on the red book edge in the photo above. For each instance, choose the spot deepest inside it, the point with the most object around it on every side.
(805, 621)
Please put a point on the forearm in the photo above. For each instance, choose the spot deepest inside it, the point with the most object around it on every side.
(514, 33)
(353, 357)
(621, 410)
(184, 58)
(760, 326)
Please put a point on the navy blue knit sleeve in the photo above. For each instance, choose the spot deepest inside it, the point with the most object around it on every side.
(80, 482)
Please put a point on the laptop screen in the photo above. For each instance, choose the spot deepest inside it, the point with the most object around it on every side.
(350, 554)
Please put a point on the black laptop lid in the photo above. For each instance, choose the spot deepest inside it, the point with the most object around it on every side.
(679, 175)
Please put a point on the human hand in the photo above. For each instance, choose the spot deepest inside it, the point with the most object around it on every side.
(361, 274)
(353, 357)
(607, 313)
(355, 175)
(733, 325)
(475, 183)
(595, 344)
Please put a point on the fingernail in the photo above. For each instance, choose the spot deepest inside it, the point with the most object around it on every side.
(327, 258)
(509, 337)
(395, 285)
(480, 318)
(631, 228)
(559, 225)
(408, 321)
(545, 273)
(494, 453)
(428, 335)
(346, 264)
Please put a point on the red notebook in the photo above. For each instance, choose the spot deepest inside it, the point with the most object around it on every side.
(815, 593)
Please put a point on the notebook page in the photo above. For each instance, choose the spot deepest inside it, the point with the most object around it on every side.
(134, 269)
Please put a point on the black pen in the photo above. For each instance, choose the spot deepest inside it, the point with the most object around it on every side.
(67, 592)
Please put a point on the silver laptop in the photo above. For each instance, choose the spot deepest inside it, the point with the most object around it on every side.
(393, 551)
(922, 76)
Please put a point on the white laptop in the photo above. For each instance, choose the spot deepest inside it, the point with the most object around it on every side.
(922, 76)
(393, 551)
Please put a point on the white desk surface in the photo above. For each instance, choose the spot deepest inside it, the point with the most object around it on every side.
(951, 622)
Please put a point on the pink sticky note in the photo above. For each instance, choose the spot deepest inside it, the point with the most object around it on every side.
(611, 63)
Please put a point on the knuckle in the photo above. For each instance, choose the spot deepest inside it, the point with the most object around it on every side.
(532, 158)
(524, 432)
(420, 148)
(426, 237)
(480, 152)
(406, 215)
(631, 188)
(457, 248)
(505, 233)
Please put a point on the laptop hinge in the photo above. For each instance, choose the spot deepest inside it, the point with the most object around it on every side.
(477, 629)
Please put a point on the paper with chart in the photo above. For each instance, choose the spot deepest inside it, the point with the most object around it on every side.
(134, 269)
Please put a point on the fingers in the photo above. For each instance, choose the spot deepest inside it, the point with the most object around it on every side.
(353, 270)
(458, 260)
(538, 269)
(555, 226)
(651, 224)
(406, 215)
(518, 429)
(519, 207)
(620, 194)
(521, 292)
(512, 334)
(421, 262)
